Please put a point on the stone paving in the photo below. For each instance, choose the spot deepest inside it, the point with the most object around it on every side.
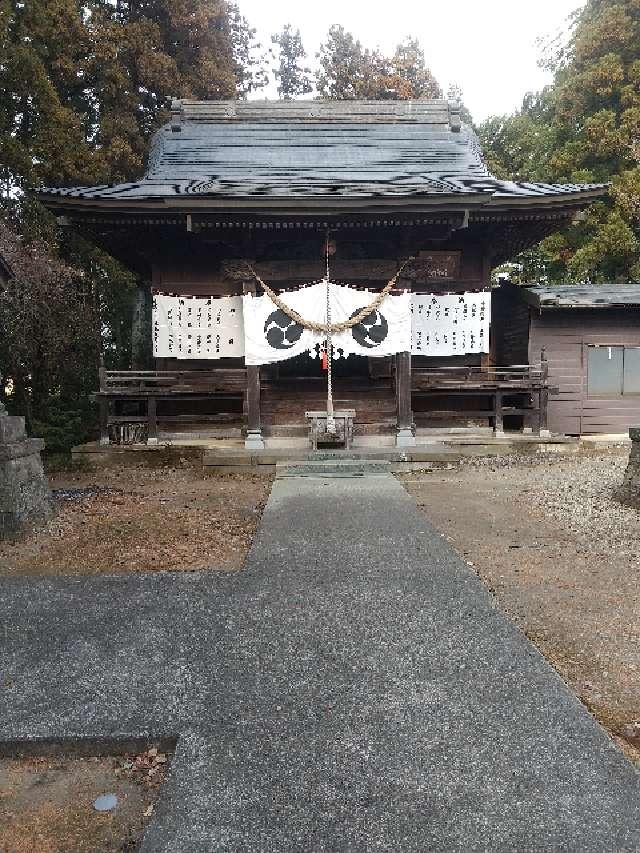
(354, 689)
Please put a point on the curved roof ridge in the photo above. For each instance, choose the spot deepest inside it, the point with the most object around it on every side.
(419, 111)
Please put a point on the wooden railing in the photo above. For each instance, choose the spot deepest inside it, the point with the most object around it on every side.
(147, 387)
(525, 386)
(516, 377)
(168, 383)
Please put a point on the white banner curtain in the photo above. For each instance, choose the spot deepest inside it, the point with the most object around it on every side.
(452, 324)
(195, 327)
(271, 335)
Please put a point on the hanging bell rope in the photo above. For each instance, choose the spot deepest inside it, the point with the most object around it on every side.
(330, 328)
(325, 328)
(331, 422)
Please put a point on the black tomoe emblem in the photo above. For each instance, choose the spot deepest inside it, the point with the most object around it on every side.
(281, 331)
(371, 331)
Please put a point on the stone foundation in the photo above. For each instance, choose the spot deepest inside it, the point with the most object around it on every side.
(25, 498)
(629, 491)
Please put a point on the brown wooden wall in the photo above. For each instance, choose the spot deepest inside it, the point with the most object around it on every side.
(565, 334)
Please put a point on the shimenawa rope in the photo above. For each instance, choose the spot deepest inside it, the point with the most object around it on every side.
(330, 327)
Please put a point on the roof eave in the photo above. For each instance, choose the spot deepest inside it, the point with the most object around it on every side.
(321, 205)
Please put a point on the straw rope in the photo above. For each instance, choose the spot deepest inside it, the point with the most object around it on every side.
(325, 328)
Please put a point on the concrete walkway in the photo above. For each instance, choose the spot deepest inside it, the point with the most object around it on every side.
(355, 689)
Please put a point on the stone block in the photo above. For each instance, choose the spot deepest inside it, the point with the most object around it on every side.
(25, 498)
(11, 429)
(629, 491)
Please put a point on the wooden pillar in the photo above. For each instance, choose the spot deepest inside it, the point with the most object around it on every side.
(141, 340)
(152, 421)
(405, 436)
(498, 426)
(544, 396)
(254, 439)
(103, 406)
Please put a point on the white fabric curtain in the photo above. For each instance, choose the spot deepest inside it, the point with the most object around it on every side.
(190, 327)
(194, 327)
(454, 324)
(271, 336)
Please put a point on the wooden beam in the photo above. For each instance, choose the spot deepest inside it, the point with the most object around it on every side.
(431, 267)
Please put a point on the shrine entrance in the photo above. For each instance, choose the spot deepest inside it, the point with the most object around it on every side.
(305, 366)
(300, 384)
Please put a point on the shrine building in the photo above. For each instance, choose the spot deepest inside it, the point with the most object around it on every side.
(258, 223)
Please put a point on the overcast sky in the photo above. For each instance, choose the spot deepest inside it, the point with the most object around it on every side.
(488, 47)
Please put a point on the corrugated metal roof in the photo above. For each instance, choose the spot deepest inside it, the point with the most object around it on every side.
(583, 295)
(307, 149)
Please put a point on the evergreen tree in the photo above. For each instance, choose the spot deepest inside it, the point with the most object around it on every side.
(585, 127)
(82, 89)
(345, 66)
(349, 71)
(293, 77)
(408, 74)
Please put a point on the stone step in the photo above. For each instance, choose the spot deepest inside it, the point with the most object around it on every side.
(333, 468)
(291, 430)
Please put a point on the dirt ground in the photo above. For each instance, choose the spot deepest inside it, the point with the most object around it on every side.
(142, 519)
(562, 558)
(47, 804)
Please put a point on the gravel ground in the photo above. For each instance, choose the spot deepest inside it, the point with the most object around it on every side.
(47, 803)
(563, 559)
(142, 519)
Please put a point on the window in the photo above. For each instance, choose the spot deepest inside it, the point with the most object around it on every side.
(613, 371)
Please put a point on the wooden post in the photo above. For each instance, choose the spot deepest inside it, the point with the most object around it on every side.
(152, 421)
(141, 343)
(544, 396)
(405, 436)
(498, 427)
(254, 439)
(103, 405)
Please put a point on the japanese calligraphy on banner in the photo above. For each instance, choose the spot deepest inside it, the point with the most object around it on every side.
(195, 327)
(271, 335)
(454, 324)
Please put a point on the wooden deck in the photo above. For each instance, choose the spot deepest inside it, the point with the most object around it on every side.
(521, 390)
(142, 390)
(134, 403)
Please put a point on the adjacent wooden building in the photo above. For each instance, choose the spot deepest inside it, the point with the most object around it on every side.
(266, 182)
(590, 335)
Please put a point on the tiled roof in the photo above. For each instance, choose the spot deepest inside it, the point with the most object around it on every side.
(313, 149)
(583, 295)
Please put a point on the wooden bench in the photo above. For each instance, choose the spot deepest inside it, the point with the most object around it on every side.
(343, 435)
(148, 387)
